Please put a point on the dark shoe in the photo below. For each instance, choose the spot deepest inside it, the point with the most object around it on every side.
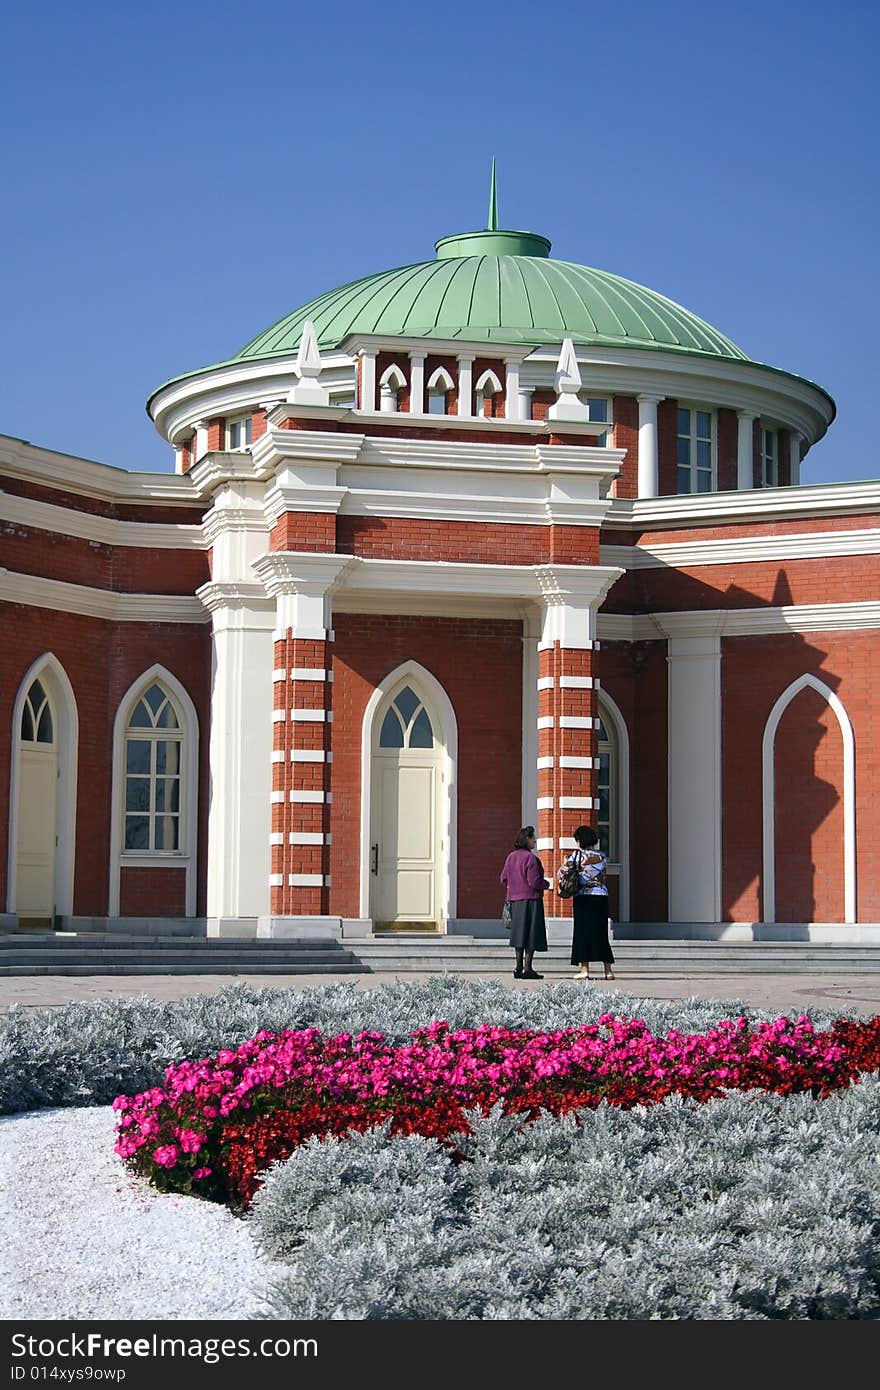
(531, 975)
(517, 974)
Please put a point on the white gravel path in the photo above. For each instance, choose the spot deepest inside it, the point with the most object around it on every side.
(82, 1238)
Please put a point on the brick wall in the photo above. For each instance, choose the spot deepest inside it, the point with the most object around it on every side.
(727, 449)
(626, 436)
(120, 568)
(667, 447)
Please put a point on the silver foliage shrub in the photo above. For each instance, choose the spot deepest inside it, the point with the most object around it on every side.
(88, 1053)
(751, 1207)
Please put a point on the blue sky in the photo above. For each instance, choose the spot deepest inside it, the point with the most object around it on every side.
(177, 177)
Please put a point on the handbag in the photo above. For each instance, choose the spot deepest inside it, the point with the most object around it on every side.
(568, 879)
(506, 917)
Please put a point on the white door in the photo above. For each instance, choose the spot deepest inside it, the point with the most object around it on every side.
(406, 844)
(37, 797)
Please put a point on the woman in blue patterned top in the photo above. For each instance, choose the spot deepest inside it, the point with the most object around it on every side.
(590, 937)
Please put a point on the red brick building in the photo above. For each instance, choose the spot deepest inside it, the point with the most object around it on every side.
(488, 540)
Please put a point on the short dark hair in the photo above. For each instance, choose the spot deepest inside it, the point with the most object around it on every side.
(586, 836)
(523, 836)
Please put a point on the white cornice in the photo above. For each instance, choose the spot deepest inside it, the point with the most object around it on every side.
(292, 572)
(435, 347)
(740, 622)
(241, 594)
(738, 550)
(66, 473)
(99, 603)
(102, 530)
(304, 498)
(759, 504)
(548, 583)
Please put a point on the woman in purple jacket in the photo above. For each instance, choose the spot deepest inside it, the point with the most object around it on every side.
(523, 876)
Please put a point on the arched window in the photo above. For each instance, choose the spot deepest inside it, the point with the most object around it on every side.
(391, 383)
(609, 799)
(154, 786)
(406, 723)
(489, 395)
(439, 387)
(36, 717)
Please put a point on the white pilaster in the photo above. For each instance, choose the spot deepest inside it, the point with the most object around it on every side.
(794, 444)
(511, 390)
(368, 379)
(200, 439)
(239, 814)
(530, 668)
(466, 383)
(745, 472)
(417, 383)
(649, 454)
(694, 775)
(525, 402)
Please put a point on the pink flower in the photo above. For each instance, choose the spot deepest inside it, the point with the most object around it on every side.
(166, 1155)
(202, 1173)
(190, 1141)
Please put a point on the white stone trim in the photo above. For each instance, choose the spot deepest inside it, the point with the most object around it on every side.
(276, 838)
(743, 622)
(307, 673)
(308, 716)
(544, 844)
(305, 880)
(576, 682)
(577, 803)
(545, 721)
(276, 880)
(307, 837)
(48, 669)
(545, 683)
(278, 755)
(575, 762)
(277, 797)
(769, 794)
(543, 763)
(529, 753)
(100, 530)
(309, 755)
(279, 716)
(186, 858)
(545, 803)
(57, 594)
(316, 798)
(614, 718)
(67, 473)
(759, 504)
(737, 550)
(279, 675)
(443, 708)
(575, 721)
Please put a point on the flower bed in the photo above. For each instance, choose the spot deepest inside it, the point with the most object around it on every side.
(218, 1123)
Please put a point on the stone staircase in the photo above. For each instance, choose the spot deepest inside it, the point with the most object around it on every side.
(117, 953)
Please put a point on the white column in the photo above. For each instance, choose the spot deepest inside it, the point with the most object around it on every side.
(511, 389)
(525, 402)
(466, 383)
(387, 398)
(239, 814)
(794, 445)
(417, 383)
(649, 453)
(694, 772)
(530, 669)
(368, 379)
(745, 469)
(178, 458)
(200, 440)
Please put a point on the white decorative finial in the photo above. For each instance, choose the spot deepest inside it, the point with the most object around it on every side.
(308, 369)
(568, 383)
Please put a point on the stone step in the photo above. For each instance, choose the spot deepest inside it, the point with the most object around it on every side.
(161, 967)
(102, 941)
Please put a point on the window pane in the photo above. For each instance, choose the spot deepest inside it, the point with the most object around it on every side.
(684, 453)
(167, 794)
(602, 440)
(704, 482)
(37, 694)
(168, 719)
(167, 836)
(684, 480)
(437, 403)
(684, 421)
(137, 832)
(167, 755)
(141, 719)
(604, 844)
(137, 755)
(603, 733)
(27, 723)
(137, 793)
(598, 408)
(407, 702)
(704, 454)
(603, 804)
(155, 698)
(421, 734)
(248, 430)
(392, 734)
(604, 769)
(44, 729)
(704, 424)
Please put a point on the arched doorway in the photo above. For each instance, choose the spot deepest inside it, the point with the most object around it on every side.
(408, 794)
(43, 796)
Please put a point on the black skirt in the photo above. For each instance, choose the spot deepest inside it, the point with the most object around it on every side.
(590, 938)
(528, 930)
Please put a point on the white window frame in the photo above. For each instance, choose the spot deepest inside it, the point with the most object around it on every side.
(769, 457)
(247, 422)
(606, 419)
(439, 387)
(186, 855)
(695, 408)
(619, 867)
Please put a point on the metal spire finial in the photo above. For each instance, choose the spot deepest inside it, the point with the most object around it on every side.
(492, 224)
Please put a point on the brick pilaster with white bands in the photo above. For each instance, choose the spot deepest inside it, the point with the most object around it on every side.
(302, 720)
(567, 750)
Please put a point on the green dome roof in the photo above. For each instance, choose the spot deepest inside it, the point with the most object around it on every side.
(497, 287)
